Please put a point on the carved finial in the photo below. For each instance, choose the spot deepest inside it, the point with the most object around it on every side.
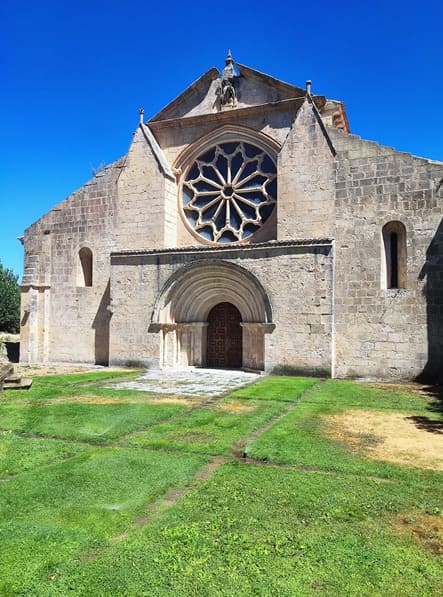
(229, 71)
(308, 87)
(227, 91)
(177, 172)
(141, 113)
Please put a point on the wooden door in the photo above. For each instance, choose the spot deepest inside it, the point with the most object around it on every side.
(224, 337)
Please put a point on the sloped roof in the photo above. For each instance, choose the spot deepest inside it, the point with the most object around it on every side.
(254, 88)
(287, 90)
(192, 96)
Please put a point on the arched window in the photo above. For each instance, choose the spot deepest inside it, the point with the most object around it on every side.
(85, 256)
(394, 255)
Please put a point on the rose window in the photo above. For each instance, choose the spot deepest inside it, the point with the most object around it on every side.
(229, 192)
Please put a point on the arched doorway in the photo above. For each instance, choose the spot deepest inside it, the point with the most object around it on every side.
(185, 302)
(224, 340)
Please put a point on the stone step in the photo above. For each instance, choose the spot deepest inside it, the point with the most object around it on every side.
(21, 383)
(13, 378)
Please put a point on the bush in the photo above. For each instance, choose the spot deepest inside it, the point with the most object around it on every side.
(9, 301)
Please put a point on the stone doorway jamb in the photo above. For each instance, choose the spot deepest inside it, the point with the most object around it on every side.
(254, 344)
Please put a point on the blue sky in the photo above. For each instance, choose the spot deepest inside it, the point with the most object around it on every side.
(74, 74)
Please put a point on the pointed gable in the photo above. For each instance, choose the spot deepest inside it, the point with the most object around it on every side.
(198, 98)
(202, 97)
(250, 88)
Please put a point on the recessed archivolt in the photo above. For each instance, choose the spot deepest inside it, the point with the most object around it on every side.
(192, 291)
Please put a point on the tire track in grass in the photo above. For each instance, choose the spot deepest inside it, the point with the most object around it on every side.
(238, 450)
(171, 497)
(168, 500)
(247, 461)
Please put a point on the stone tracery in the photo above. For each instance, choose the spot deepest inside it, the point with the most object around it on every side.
(229, 192)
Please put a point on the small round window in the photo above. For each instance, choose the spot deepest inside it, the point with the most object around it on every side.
(229, 192)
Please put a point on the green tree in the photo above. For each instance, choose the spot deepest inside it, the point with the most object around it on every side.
(9, 301)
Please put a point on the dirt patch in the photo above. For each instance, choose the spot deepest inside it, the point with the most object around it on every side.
(425, 528)
(235, 407)
(170, 399)
(88, 400)
(136, 400)
(407, 388)
(40, 370)
(393, 437)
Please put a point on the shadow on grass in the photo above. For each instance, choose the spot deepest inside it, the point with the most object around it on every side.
(427, 424)
(436, 395)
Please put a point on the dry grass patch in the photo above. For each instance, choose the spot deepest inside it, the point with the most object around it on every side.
(179, 399)
(88, 399)
(406, 387)
(41, 370)
(234, 407)
(426, 529)
(93, 399)
(393, 437)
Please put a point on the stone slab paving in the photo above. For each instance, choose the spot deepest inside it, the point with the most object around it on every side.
(191, 381)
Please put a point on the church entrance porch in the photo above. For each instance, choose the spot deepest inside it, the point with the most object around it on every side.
(224, 337)
(212, 314)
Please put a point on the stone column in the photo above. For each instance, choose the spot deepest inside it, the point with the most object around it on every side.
(192, 343)
(183, 344)
(168, 345)
(34, 331)
(254, 344)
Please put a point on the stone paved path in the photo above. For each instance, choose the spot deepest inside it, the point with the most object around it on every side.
(190, 381)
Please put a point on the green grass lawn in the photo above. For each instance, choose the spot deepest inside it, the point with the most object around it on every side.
(286, 389)
(102, 493)
(257, 531)
(19, 454)
(212, 430)
(56, 513)
(57, 386)
(94, 423)
(299, 438)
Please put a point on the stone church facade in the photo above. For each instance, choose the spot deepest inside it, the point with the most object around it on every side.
(245, 227)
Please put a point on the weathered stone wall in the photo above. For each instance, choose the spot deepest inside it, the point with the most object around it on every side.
(129, 204)
(146, 213)
(383, 332)
(61, 319)
(306, 180)
(134, 289)
(175, 137)
(328, 310)
(301, 314)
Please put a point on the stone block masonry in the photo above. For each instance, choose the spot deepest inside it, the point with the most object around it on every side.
(343, 275)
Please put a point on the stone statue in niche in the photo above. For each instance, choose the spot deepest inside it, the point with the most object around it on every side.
(227, 95)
